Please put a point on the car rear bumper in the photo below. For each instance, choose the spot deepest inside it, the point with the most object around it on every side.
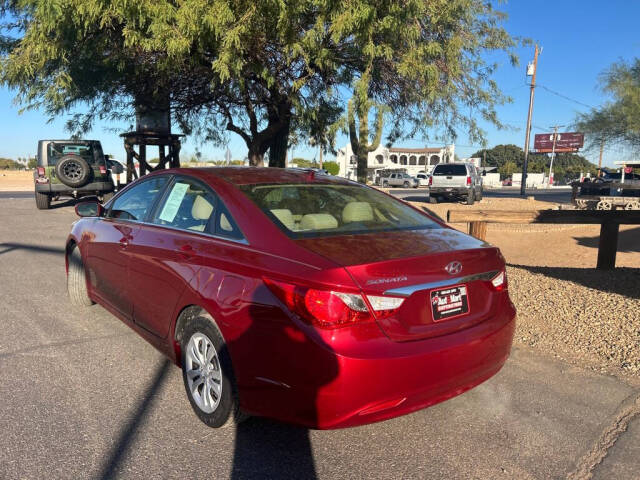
(59, 188)
(461, 191)
(394, 378)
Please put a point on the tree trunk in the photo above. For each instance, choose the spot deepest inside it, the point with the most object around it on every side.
(278, 147)
(256, 159)
(361, 169)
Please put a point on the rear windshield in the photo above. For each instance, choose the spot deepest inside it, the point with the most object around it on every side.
(91, 152)
(449, 169)
(312, 210)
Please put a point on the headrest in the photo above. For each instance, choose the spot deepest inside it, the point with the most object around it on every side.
(201, 209)
(357, 212)
(285, 217)
(318, 221)
(225, 224)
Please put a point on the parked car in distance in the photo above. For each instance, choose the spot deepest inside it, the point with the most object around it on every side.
(507, 182)
(423, 179)
(400, 180)
(305, 298)
(459, 181)
(71, 168)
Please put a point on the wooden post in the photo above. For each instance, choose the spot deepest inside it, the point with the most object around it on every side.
(478, 230)
(143, 159)
(608, 245)
(129, 164)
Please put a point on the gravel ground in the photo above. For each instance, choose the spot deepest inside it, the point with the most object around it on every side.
(587, 317)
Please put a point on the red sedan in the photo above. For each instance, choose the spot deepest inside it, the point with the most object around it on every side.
(294, 295)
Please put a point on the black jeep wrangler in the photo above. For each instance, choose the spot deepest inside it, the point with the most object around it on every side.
(71, 168)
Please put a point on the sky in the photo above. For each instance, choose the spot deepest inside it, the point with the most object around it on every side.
(579, 40)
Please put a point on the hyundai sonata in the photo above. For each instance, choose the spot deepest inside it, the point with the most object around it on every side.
(293, 295)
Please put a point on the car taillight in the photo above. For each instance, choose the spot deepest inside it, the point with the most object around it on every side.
(103, 169)
(330, 309)
(41, 171)
(468, 180)
(430, 181)
(499, 282)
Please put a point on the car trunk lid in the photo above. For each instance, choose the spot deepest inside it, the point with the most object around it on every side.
(413, 265)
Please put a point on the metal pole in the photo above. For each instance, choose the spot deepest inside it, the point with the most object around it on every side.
(600, 159)
(525, 165)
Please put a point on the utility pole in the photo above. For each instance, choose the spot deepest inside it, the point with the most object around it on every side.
(600, 159)
(525, 165)
(553, 152)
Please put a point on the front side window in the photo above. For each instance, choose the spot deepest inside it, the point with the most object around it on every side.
(188, 205)
(136, 202)
(310, 210)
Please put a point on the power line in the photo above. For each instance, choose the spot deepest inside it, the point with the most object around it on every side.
(566, 97)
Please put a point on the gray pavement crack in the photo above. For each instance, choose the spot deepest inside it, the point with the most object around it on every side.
(628, 410)
(76, 341)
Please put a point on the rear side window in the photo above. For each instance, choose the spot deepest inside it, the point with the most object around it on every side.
(309, 210)
(136, 202)
(449, 169)
(90, 151)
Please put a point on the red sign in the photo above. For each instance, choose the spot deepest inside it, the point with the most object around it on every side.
(565, 142)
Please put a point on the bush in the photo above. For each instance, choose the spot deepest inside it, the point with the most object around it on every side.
(332, 167)
(7, 163)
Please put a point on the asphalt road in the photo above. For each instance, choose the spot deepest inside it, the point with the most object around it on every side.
(84, 397)
(556, 195)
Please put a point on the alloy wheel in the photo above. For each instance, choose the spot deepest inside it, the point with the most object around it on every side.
(204, 375)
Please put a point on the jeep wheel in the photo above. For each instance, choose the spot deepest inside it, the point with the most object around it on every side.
(77, 280)
(43, 201)
(406, 184)
(73, 171)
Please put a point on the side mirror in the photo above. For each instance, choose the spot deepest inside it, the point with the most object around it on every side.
(89, 209)
(484, 173)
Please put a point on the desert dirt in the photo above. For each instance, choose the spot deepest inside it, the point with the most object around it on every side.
(16, 180)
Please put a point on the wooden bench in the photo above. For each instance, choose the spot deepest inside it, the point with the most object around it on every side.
(609, 222)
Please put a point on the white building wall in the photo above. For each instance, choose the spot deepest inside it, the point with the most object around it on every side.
(382, 158)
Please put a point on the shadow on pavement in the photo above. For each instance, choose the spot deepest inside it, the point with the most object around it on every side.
(628, 240)
(128, 433)
(623, 281)
(9, 247)
(266, 449)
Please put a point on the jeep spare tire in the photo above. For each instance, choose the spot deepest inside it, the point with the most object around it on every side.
(73, 171)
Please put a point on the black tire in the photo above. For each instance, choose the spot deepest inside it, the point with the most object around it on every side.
(385, 184)
(433, 199)
(227, 411)
(77, 280)
(471, 197)
(43, 201)
(480, 195)
(405, 184)
(73, 171)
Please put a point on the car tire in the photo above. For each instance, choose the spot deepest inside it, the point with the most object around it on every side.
(73, 171)
(471, 197)
(385, 184)
(480, 195)
(77, 280)
(43, 201)
(433, 199)
(201, 330)
(405, 184)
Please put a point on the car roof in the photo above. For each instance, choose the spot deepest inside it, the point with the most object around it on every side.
(265, 175)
